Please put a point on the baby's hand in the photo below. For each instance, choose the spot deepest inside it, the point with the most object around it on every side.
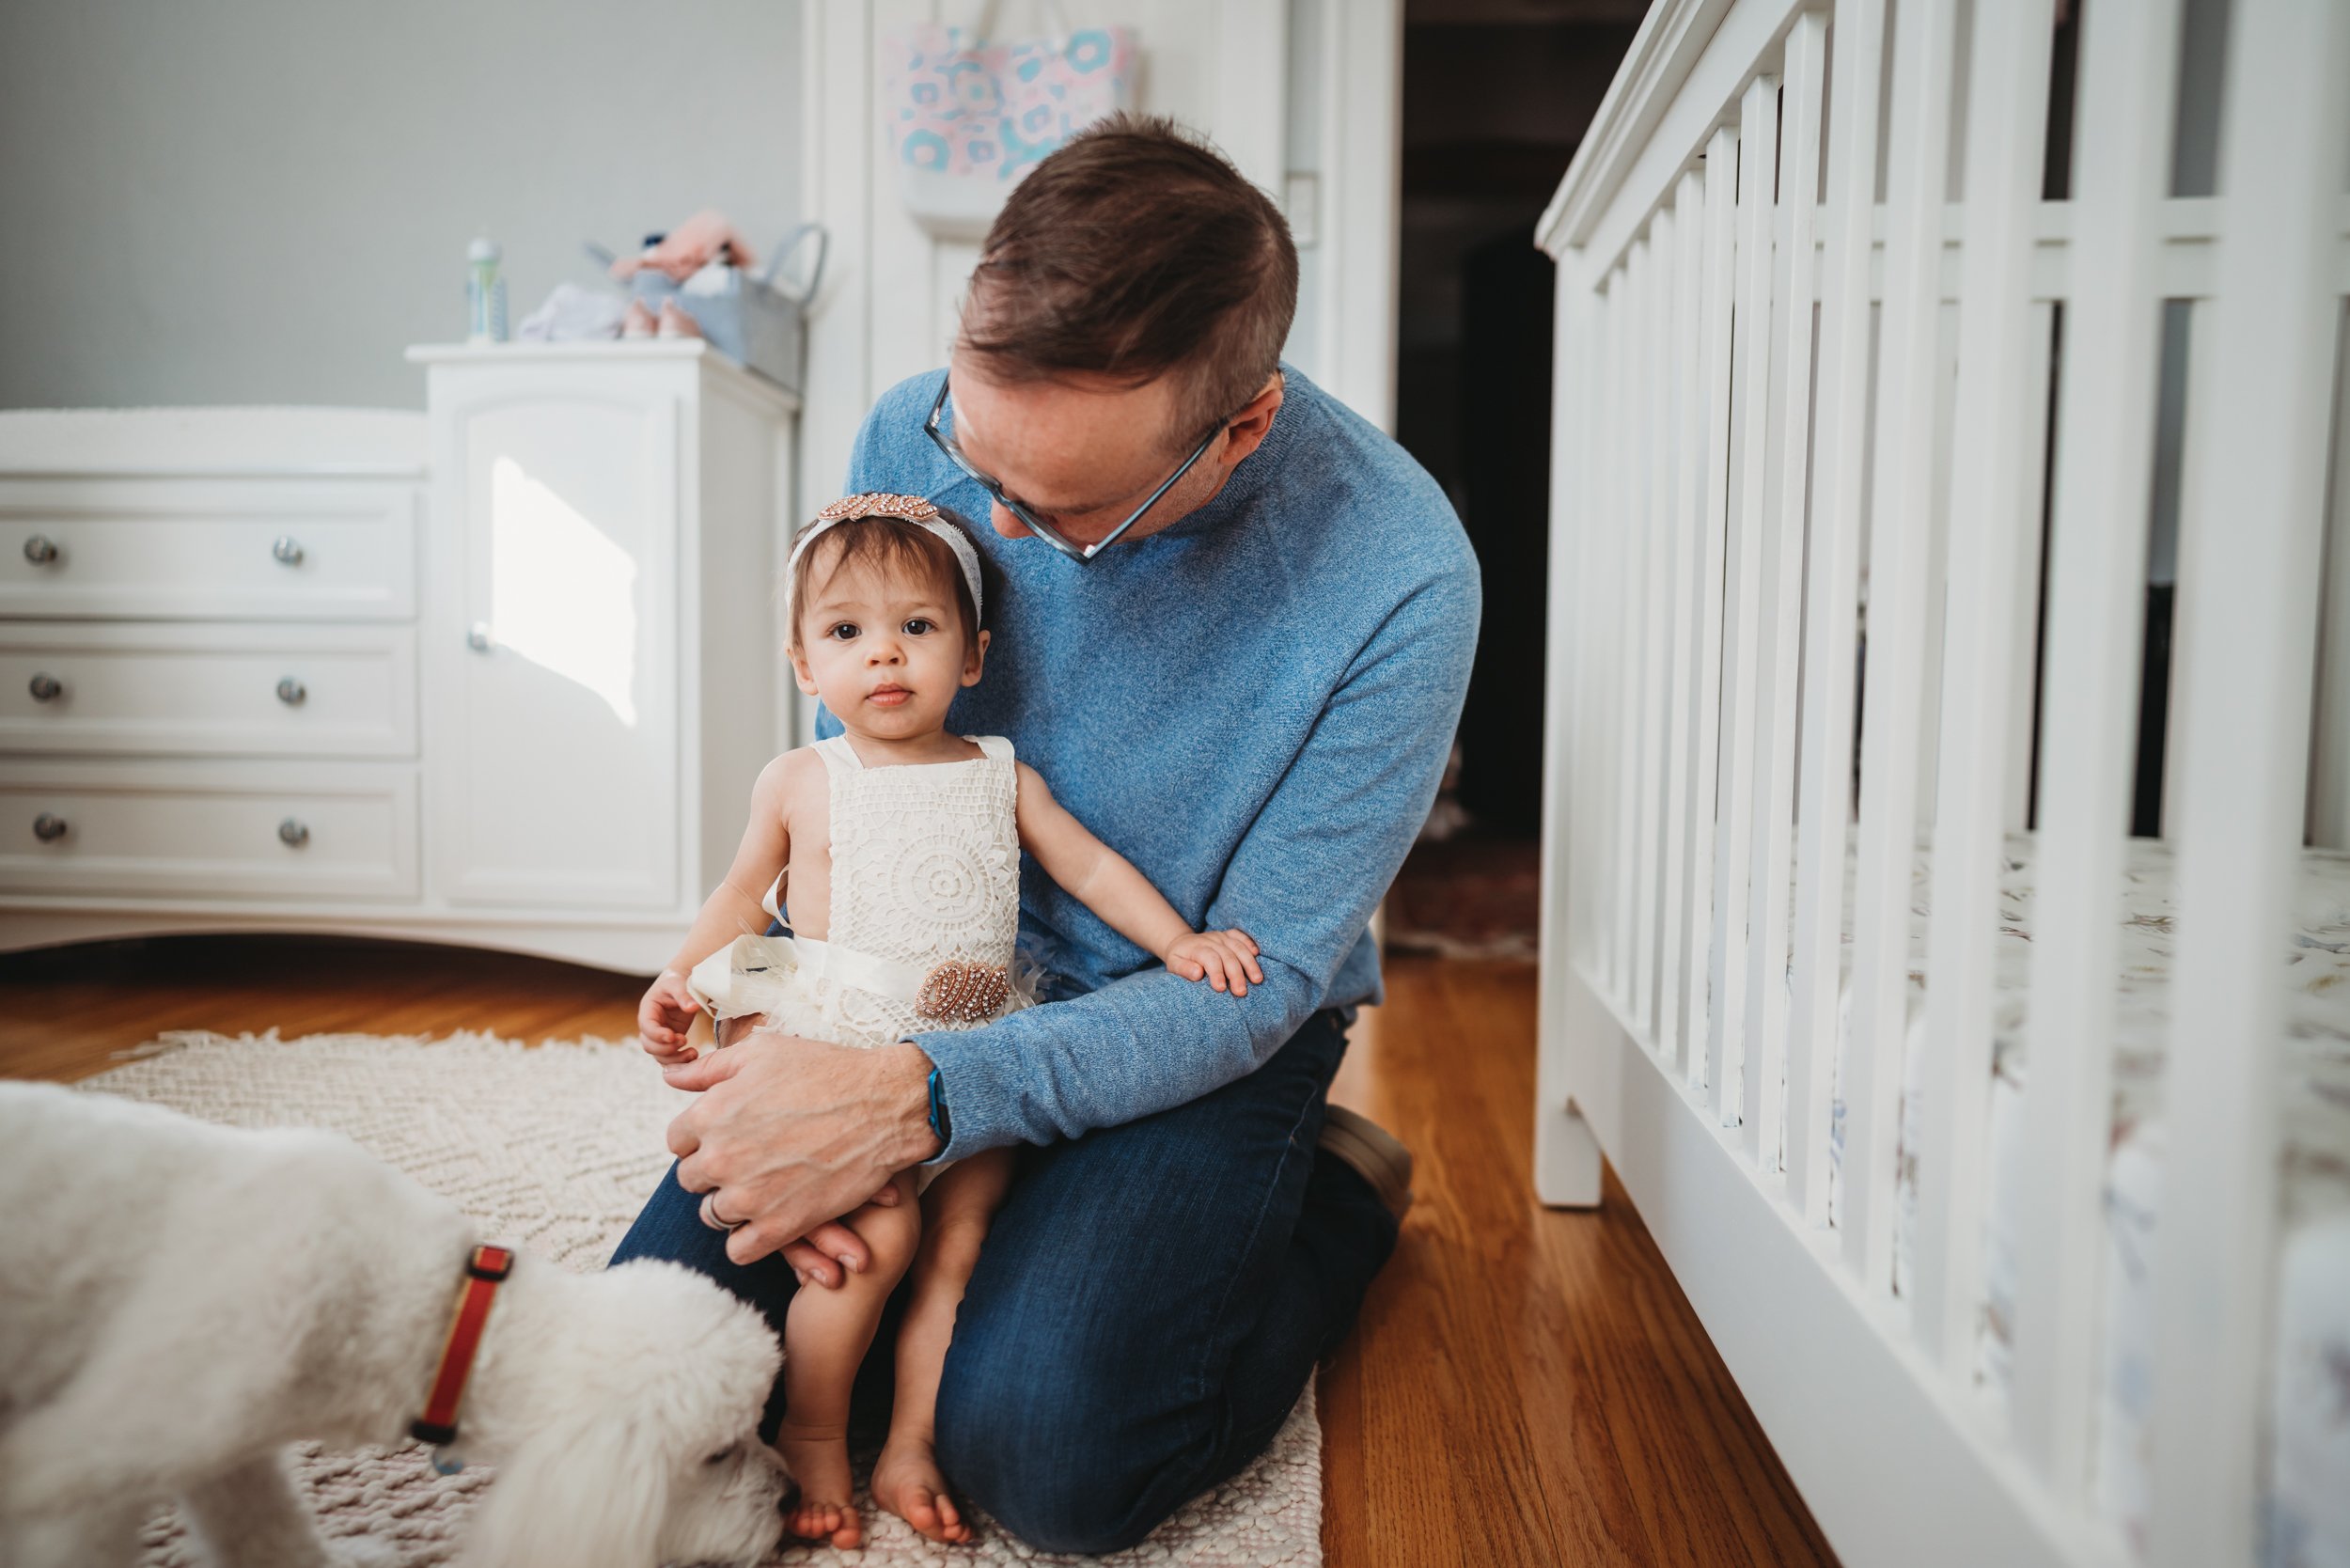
(1225, 959)
(664, 1017)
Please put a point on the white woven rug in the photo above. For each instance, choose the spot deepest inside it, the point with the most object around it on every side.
(555, 1149)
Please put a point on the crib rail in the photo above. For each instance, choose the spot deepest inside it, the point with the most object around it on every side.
(1825, 409)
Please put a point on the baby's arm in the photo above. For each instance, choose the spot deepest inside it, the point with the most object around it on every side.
(666, 1013)
(1106, 883)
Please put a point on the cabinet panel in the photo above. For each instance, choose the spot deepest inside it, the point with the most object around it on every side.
(556, 772)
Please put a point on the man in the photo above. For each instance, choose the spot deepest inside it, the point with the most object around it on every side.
(1234, 631)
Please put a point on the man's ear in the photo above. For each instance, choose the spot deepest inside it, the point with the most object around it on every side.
(973, 665)
(1250, 426)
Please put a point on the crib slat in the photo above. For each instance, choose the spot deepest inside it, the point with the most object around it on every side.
(1624, 625)
(1899, 543)
(2096, 596)
(1566, 810)
(1656, 422)
(1590, 350)
(1608, 663)
(1608, 656)
(2329, 743)
(1721, 179)
(1830, 599)
(1623, 755)
(1801, 103)
(1640, 451)
(2272, 329)
(1688, 413)
(1605, 544)
(1750, 413)
(1591, 521)
(1570, 482)
(1947, 333)
(1989, 473)
(1634, 522)
(1590, 875)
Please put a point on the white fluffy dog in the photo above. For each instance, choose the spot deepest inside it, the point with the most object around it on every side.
(180, 1301)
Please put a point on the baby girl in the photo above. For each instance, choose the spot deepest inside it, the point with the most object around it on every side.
(899, 845)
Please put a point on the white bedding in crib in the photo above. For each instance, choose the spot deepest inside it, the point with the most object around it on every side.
(2308, 1458)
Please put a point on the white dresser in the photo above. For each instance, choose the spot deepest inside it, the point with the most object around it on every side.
(499, 674)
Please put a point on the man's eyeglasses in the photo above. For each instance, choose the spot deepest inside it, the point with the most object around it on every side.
(1035, 525)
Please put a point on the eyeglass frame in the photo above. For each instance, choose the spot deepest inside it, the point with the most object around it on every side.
(1081, 553)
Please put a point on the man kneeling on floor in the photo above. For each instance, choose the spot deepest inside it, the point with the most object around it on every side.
(1232, 624)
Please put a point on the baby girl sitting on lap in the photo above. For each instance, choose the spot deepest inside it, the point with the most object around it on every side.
(899, 847)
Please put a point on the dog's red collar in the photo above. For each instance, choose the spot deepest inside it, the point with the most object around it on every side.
(484, 1271)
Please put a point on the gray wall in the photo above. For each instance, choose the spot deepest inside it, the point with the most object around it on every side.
(264, 201)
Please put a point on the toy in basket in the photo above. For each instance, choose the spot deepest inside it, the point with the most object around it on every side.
(704, 270)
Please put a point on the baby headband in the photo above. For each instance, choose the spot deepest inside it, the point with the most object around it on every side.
(905, 509)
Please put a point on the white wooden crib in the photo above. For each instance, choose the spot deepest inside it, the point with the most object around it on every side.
(1827, 355)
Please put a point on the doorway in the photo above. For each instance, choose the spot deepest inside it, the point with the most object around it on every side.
(1497, 97)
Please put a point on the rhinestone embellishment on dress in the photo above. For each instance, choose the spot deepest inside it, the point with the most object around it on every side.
(961, 992)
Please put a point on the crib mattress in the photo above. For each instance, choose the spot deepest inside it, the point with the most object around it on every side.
(2307, 1457)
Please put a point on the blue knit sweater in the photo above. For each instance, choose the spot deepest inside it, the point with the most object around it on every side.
(1253, 706)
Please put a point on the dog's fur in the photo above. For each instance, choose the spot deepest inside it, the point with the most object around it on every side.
(180, 1301)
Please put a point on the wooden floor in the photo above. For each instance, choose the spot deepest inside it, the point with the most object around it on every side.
(1526, 1386)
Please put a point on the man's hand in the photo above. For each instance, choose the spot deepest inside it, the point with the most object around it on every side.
(1227, 959)
(792, 1132)
(829, 1254)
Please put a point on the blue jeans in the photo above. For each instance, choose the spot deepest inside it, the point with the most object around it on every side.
(1148, 1304)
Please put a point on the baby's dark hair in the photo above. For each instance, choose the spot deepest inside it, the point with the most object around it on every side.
(889, 544)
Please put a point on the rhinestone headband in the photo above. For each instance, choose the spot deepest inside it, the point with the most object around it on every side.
(903, 509)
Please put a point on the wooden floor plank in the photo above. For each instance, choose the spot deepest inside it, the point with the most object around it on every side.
(1526, 1386)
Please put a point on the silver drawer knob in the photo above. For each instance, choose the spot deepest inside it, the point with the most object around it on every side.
(293, 833)
(45, 687)
(291, 692)
(480, 639)
(49, 827)
(288, 550)
(40, 549)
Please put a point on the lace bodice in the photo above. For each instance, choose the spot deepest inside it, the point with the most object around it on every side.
(925, 869)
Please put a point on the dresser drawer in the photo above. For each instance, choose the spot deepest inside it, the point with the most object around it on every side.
(251, 689)
(209, 829)
(209, 549)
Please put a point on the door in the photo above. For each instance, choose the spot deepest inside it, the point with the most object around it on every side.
(555, 759)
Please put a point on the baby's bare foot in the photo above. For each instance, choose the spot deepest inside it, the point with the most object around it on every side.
(907, 1482)
(819, 1461)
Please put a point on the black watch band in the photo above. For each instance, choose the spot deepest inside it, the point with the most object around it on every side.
(940, 1122)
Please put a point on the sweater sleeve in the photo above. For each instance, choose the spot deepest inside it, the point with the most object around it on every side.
(1304, 881)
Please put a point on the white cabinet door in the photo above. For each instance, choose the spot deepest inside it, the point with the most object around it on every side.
(554, 762)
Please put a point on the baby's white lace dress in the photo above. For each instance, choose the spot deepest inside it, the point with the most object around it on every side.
(925, 873)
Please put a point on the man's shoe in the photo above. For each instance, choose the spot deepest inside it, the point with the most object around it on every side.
(1372, 1153)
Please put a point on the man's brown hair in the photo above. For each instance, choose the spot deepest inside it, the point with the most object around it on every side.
(1134, 252)
(888, 544)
